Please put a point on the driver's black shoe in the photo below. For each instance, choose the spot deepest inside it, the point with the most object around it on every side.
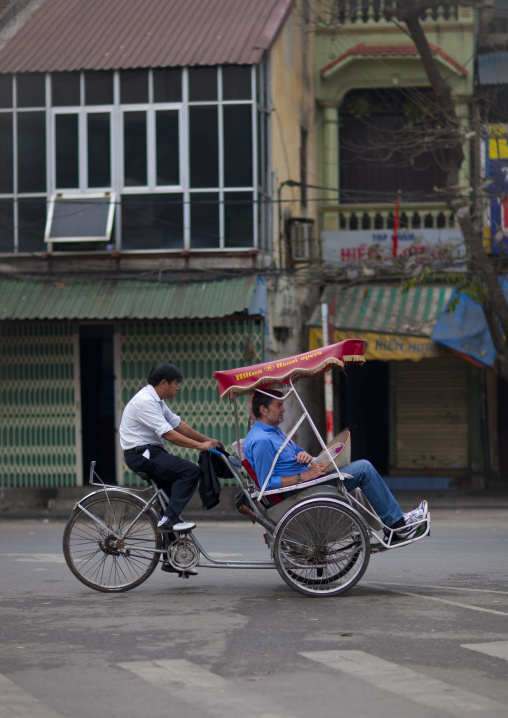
(166, 566)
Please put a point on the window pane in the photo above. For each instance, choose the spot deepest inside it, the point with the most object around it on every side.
(204, 147)
(30, 89)
(237, 145)
(65, 88)
(133, 86)
(31, 152)
(6, 149)
(238, 217)
(80, 218)
(202, 83)
(152, 221)
(236, 82)
(66, 151)
(32, 223)
(99, 149)
(6, 226)
(166, 138)
(167, 84)
(205, 220)
(5, 90)
(134, 149)
(98, 88)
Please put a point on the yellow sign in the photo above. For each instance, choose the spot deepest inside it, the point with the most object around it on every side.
(384, 347)
(498, 146)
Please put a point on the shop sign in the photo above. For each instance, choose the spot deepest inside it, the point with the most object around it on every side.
(361, 246)
(384, 347)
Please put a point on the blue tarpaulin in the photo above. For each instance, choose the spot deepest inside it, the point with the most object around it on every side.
(465, 330)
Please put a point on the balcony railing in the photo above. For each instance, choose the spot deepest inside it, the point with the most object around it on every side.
(373, 11)
(381, 216)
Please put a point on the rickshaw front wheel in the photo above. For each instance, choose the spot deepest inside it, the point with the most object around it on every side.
(321, 547)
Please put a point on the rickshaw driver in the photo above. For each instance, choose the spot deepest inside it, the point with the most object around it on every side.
(264, 440)
(147, 422)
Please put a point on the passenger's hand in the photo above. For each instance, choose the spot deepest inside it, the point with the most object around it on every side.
(303, 457)
(315, 471)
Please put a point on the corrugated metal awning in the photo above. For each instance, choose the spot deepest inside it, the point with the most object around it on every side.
(385, 308)
(64, 35)
(493, 68)
(115, 300)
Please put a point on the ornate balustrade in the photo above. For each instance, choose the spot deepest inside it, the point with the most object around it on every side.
(413, 215)
(373, 12)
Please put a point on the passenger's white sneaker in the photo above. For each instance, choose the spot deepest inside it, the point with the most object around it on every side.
(413, 520)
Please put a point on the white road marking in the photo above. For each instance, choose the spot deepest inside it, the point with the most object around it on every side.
(445, 600)
(496, 649)
(37, 557)
(405, 682)
(17, 703)
(203, 690)
(441, 588)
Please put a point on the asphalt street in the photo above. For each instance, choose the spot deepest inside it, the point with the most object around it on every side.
(425, 631)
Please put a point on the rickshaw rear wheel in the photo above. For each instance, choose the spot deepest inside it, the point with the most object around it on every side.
(321, 548)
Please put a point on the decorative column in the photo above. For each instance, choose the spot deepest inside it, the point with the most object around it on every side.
(331, 166)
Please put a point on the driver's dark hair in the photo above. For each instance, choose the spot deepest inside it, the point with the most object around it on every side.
(259, 400)
(164, 370)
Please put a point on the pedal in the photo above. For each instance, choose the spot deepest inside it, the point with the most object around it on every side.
(184, 527)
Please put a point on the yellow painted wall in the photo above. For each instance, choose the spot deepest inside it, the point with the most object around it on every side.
(293, 105)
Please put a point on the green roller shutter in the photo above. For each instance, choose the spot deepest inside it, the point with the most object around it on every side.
(38, 406)
(198, 348)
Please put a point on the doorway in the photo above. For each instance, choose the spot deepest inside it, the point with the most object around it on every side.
(364, 410)
(98, 400)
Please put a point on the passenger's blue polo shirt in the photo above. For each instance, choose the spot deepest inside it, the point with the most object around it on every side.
(260, 446)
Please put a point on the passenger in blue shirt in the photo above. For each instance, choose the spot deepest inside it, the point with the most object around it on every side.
(294, 465)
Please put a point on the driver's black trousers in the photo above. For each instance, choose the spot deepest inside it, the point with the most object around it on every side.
(178, 477)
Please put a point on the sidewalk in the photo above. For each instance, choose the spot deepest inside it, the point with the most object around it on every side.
(58, 503)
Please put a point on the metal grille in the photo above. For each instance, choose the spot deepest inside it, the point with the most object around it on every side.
(37, 406)
(198, 348)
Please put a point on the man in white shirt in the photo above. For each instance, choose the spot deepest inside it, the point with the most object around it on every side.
(147, 422)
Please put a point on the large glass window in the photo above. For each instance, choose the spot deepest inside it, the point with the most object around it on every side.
(67, 151)
(134, 149)
(152, 221)
(31, 151)
(175, 145)
(6, 153)
(99, 149)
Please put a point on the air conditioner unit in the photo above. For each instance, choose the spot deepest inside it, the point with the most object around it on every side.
(301, 238)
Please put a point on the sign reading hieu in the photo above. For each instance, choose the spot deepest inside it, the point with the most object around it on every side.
(384, 347)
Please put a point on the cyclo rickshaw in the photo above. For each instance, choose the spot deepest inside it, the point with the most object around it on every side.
(320, 538)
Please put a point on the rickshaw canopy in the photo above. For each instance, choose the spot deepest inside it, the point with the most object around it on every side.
(279, 371)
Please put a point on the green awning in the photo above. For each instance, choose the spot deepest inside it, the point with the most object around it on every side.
(385, 308)
(123, 299)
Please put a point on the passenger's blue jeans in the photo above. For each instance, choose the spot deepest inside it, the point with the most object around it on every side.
(376, 491)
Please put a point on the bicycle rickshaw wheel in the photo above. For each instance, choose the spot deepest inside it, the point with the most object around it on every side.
(321, 548)
(92, 549)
